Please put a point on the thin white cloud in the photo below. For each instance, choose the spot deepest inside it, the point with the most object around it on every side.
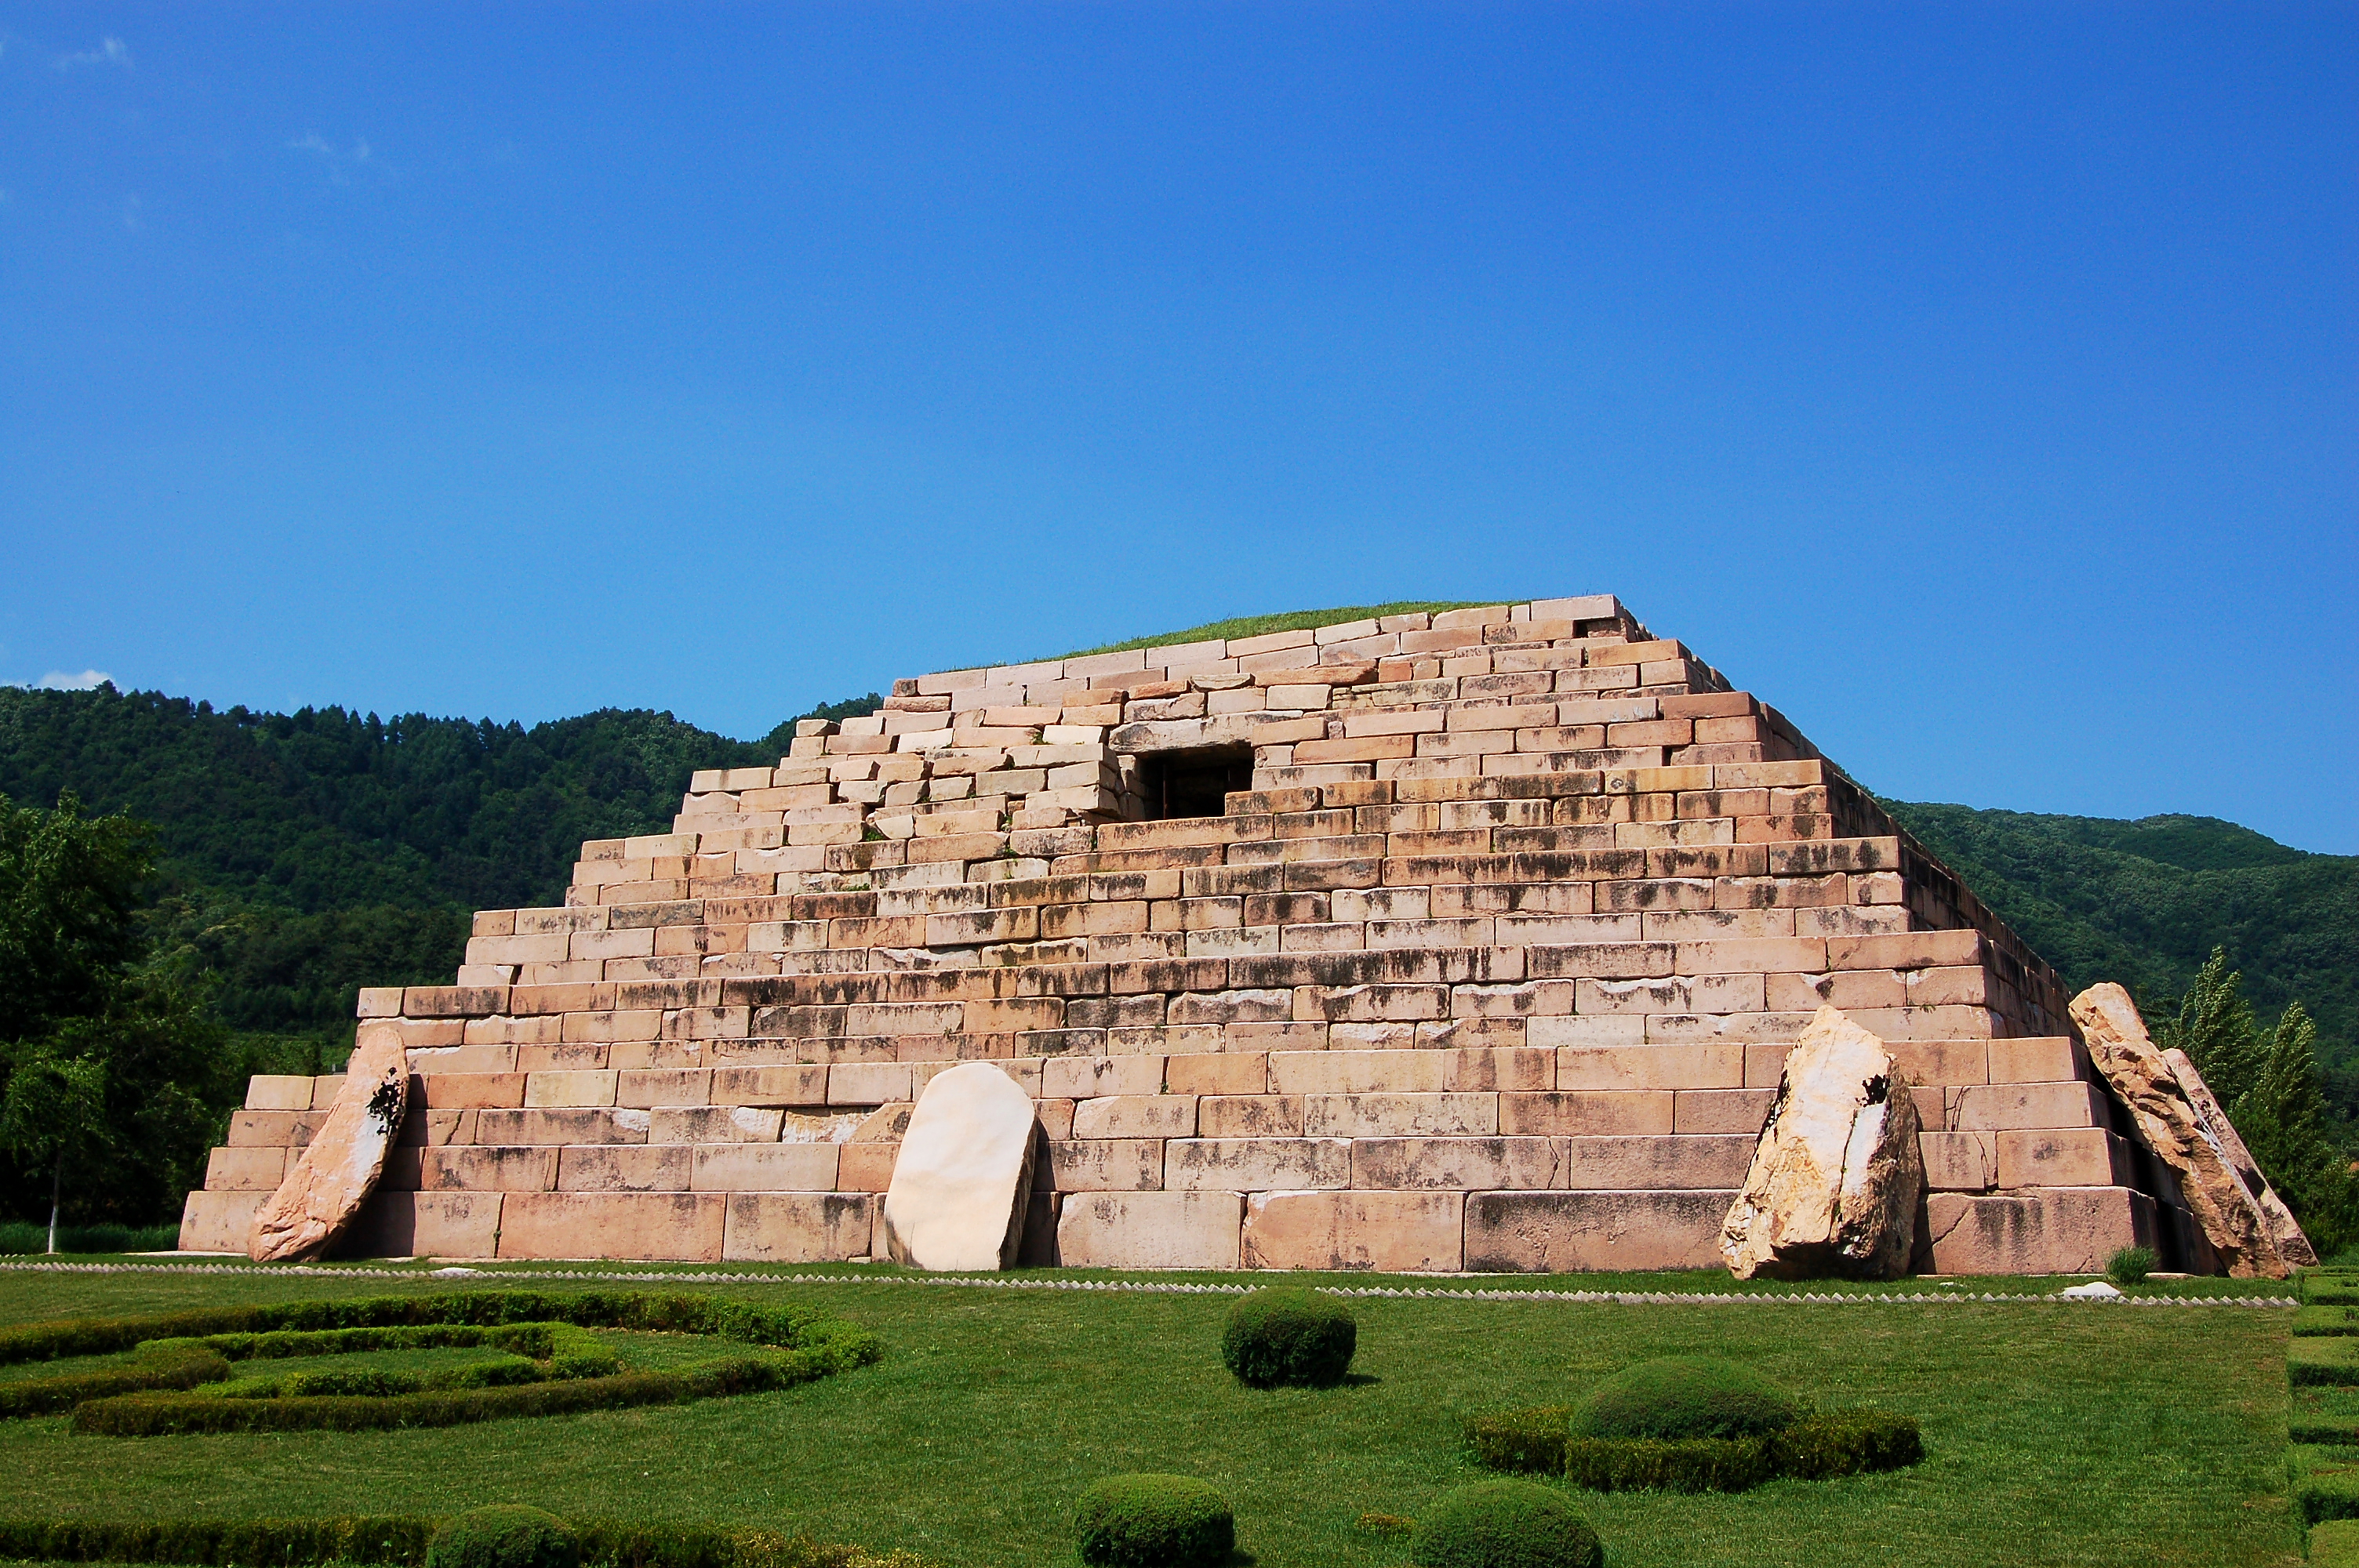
(60, 680)
(341, 164)
(131, 220)
(110, 51)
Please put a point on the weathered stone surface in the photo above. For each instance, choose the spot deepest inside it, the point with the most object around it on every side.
(964, 1173)
(2282, 1225)
(2228, 1215)
(2054, 1230)
(1837, 1175)
(2229, 1219)
(340, 1167)
(1149, 1231)
(218, 1221)
(1563, 1232)
(1398, 1233)
(425, 1224)
(1490, 939)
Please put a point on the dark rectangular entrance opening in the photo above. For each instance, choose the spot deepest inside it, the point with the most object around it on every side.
(1193, 784)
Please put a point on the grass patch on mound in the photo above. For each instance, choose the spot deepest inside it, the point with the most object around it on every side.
(1284, 621)
(2069, 1435)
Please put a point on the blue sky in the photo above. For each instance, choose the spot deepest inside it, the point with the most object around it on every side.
(1976, 384)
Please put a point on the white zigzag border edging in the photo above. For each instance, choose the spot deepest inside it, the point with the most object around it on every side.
(1151, 1287)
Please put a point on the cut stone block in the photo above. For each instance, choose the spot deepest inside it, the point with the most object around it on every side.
(683, 1225)
(1960, 1161)
(1395, 1233)
(1149, 1231)
(797, 1228)
(425, 1225)
(218, 1221)
(2057, 1230)
(1564, 1232)
(964, 1172)
(246, 1169)
(340, 1165)
(1836, 1178)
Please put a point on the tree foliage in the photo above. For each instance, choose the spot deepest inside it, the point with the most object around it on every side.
(298, 857)
(115, 1074)
(2269, 1082)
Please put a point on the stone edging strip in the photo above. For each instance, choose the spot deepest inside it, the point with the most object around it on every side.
(1148, 1287)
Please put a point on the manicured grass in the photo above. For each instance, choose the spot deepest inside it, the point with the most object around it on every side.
(2055, 1435)
(1285, 621)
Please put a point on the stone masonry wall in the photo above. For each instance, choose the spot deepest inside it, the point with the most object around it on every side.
(1493, 968)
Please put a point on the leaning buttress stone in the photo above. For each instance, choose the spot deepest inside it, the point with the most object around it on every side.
(964, 1173)
(340, 1167)
(1837, 1174)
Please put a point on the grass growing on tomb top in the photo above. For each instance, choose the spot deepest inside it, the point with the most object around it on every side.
(2054, 1434)
(1284, 621)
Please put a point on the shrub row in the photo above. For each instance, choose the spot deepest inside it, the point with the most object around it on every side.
(152, 1414)
(2325, 1482)
(2334, 1543)
(246, 1544)
(182, 1365)
(400, 1543)
(1839, 1442)
(2325, 1322)
(588, 1309)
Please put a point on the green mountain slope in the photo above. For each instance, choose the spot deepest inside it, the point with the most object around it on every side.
(303, 854)
(2143, 903)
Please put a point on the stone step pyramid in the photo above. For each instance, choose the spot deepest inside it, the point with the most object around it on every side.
(1465, 941)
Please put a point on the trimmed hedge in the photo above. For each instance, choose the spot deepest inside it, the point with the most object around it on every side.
(181, 1366)
(2316, 1322)
(2323, 1362)
(1154, 1521)
(187, 1351)
(219, 1543)
(1846, 1443)
(507, 1535)
(2334, 1544)
(1675, 1464)
(403, 1542)
(1837, 1443)
(1504, 1524)
(1530, 1440)
(644, 1310)
(1289, 1337)
(2325, 1482)
(1677, 1398)
(150, 1415)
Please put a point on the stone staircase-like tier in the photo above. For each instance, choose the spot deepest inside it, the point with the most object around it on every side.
(1490, 963)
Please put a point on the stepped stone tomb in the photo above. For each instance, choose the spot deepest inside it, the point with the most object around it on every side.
(1471, 941)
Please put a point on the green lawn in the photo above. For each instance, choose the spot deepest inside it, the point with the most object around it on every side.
(2065, 1435)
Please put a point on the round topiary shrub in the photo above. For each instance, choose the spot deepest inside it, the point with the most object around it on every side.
(1504, 1524)
(1154, 1521)
(1281, 1336)
(1685, 1396)
(508, 1535)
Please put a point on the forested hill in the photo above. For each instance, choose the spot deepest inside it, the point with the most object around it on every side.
(306, 854)
(303, 854)
(2144, 903)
